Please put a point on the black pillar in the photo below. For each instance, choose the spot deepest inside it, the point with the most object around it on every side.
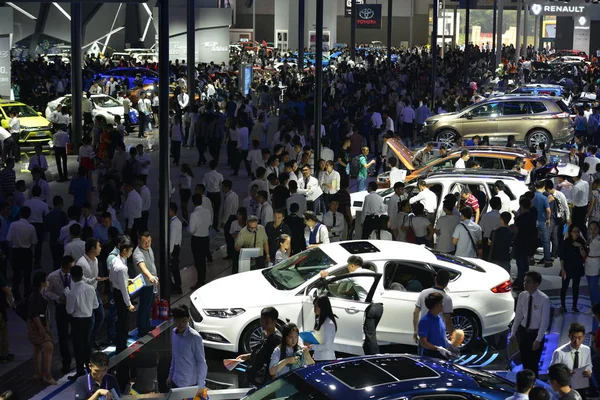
(163, 128)
(389, 30)
(353, 31)
(191, 49)
(494, 29)
(434, 51)
(301, 11)
(318, 81)
(467, 49)
(76, 75)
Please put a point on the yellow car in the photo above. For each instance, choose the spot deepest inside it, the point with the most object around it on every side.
(34, 127)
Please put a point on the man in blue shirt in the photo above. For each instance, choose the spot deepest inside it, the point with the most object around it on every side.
(541, 204)
(432, 330)
(97, 382)
(188, 365)
(105, 221)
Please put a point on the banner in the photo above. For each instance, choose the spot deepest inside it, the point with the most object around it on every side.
(348, 8)
(5, 67)
(368, 16)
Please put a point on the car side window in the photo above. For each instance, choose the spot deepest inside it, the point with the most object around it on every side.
(349, 288)
(509, 163)
(537, 107)
(489, 163)
(446, 163)
(516, 108)
(486, 110)
(405, 276)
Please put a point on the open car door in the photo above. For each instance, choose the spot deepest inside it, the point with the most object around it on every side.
(350, 311)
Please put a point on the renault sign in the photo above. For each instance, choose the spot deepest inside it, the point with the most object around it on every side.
(368, 16)
(556, 9)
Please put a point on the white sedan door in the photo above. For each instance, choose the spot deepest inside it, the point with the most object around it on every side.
(349, 310)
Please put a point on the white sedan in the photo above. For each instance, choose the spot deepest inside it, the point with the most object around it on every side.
(226, 311)
(104, 106)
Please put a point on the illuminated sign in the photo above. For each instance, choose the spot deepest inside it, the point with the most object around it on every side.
(556, 9)
(348, 8)
(368, 16)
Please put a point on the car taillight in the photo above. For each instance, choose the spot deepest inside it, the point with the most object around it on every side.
(561, 115)
(504, 287)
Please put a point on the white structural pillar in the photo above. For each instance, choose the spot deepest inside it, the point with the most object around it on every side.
(500, 33)
(525, 33)
(519, 31)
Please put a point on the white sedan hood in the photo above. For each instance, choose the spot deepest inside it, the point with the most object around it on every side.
(247, 289)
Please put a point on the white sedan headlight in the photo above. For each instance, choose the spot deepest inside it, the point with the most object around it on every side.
(223, 312)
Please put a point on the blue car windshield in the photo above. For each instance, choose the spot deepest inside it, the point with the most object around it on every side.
(296, 270)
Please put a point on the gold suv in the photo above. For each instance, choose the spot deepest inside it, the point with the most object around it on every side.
(531, 119)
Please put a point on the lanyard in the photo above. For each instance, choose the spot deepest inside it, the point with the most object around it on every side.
(89, 379)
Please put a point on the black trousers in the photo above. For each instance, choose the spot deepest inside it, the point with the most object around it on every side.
(145, 215)
(215, 198)
(176, 151)
(565, 286)
(371, 223)
(63, 321)
(22, 263)
(229, 241)
(373, 314)
(80, 328)
(122, 330)
(57, 251)
(60, 155)
(530, 358)
(39, 231)
(232, 153)
(175, 266)
(578, 219)
(135, 229)
(200, 251)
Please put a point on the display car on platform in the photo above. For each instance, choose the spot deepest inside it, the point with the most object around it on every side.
(149, 76)
(226, 311)
(390, 376)
(103, 106)
(34, 127)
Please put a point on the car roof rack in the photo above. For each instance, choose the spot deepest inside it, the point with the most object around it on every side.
(516, 150)
(501, 173)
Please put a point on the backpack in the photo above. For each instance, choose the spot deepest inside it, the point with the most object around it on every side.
(354, 166)
(557, 210)
(410, 234)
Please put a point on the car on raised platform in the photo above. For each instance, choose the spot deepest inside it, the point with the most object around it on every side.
(226, 312)
(103, 106)
(390, 376)
(34, 127)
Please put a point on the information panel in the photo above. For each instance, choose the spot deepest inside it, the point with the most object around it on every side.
(5, 66)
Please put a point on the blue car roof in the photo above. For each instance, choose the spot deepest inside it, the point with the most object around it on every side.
(375, 377)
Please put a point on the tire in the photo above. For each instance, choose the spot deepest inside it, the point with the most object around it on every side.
(538, 136)
(446, 137)
(252, 335)
(469, 323)
(102, 120)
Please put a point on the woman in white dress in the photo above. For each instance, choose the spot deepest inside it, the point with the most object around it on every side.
(326, 327)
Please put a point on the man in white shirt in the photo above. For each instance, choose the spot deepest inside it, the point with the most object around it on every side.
(38, 160)
(132, 211)
(442, 277)
(326, 152)
(142, 189)
(266, 210)
(592, 159)
(389, 122)
(505, 200)
(89, 263)
(183, 99)
(39, 209)
(467, 235)
(61, 139)
(200, 221)
(76, 247)
(489, 222)
(580, 196)
(14, 127)
(373, 207)
(330, 180)
(577, 357)
(393, 205)
(296, 197)
(144, 115)
(259, 181)
(461, 162)
(81, 301)
(22, 237)
(407, 116)
(425, 197)
(242, 148)
(231, 203)
(335, 222)
(532, 317)
(37, 180)
(175, 235)
(525, 382)
(307, 185)
(144, 161)
(212, 182)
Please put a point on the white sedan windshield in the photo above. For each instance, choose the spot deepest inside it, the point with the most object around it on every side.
(298, 269)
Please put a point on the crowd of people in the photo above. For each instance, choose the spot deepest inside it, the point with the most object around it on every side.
(293, 202)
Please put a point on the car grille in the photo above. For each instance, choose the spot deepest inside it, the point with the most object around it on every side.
(195, 314)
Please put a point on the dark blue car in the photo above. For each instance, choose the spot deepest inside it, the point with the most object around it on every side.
(388, 376)
(149, 76)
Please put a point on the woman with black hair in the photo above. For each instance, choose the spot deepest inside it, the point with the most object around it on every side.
(326, 327)
(289, 356)
(38, 329)
(571, 266)
(383, 229)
